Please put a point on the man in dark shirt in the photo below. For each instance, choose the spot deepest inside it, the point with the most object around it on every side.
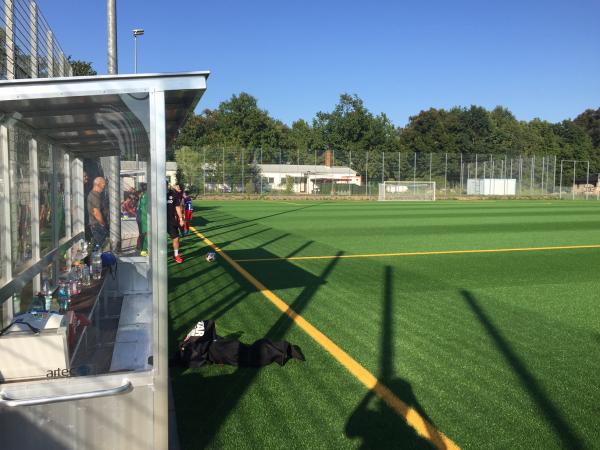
(175, 218)
(96, 218)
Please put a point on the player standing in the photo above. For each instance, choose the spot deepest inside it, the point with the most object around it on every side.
(188, 211)
(175, 219)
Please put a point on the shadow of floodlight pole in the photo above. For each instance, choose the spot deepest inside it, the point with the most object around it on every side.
(383, 427)
(567, 436)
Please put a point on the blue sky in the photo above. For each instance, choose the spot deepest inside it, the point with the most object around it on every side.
(537, 58)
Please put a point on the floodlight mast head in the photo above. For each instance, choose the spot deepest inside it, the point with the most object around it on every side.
(138, 32)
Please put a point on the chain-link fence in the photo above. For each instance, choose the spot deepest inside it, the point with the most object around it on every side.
(344, 173)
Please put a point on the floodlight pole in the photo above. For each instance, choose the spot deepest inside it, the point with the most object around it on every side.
(136, 32)
(114, 162)
(111, 15)
(134, 53)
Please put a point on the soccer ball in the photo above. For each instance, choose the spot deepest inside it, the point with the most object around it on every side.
(211, 257)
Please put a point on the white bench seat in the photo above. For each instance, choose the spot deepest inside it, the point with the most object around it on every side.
(133, 343)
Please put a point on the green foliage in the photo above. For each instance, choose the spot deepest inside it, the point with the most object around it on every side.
(589, 120)
(358, 138)
(249, 187)
(189, 166)
(179, 175)
(81, 68)
(289, 184)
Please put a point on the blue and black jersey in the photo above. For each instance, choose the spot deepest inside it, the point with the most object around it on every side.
(187, 201)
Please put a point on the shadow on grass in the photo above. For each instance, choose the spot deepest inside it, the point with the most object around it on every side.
(218, 396)
(256, 219)
(374, 422)
(549, 411)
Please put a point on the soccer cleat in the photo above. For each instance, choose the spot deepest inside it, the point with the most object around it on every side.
(178, 259)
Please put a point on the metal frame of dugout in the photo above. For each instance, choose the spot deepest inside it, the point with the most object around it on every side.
(114, 392)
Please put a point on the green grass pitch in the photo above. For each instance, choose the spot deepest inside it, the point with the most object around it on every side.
(497, 350)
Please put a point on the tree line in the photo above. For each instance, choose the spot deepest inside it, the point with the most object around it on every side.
(350, 127)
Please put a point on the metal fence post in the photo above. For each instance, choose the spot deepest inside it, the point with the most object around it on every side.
(511, 174)
(446, 177)
(382, 167)
(331, 169)
(430, 163)
(461, 171)
(367, 174)
(573, 187)
(560, 180)
(243, 164)
(415, 173)
(520, 175)
(554, 177)
(399, 165)
(587, 180)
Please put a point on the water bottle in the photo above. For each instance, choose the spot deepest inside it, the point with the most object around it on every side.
(74, 281)
(86, 278)
(83, 248)
(63, 296)
(37, 303)
(47, 292)
(97, 264)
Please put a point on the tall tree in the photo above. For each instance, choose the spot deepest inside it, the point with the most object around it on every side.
(589, 120)
(353, 132)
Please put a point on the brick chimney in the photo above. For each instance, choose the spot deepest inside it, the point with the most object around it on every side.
(328, 158)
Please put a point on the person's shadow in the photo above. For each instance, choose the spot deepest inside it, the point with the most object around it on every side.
(373, 421)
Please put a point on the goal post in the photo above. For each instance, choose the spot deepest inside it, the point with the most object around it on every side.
(407, 190)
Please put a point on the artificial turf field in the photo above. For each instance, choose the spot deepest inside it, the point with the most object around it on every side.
(493, 349)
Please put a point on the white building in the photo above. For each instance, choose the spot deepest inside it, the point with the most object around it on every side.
(306, 178)
(132, 171)
(172, 172)
(491, 186)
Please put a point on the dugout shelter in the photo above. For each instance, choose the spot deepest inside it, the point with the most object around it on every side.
(95, 375)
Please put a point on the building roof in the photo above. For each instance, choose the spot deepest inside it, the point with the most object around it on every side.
(309, 169)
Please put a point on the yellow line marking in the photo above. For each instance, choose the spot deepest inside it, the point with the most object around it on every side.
(443, 252)
(412, 417)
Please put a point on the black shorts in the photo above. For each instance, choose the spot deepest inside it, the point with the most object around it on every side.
(172, 229)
